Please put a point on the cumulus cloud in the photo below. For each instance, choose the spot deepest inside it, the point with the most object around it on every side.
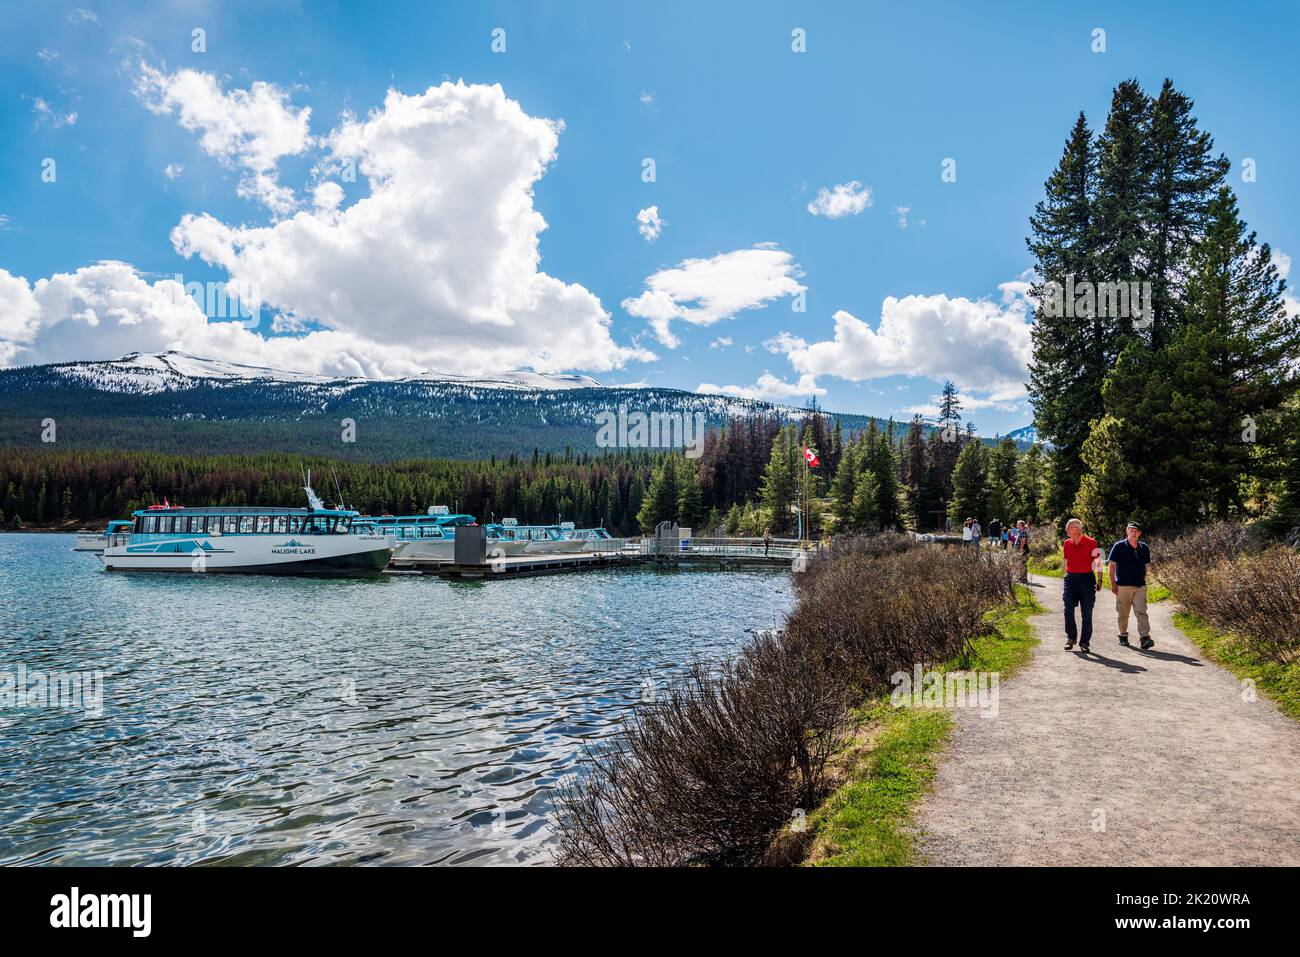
(251, 129)
(651, 225)
(704, 291)
(978, 344)
(844, 199)
(437, 267)
(768, 387)
(173, 170)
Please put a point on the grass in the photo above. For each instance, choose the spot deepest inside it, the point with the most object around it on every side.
(1279, 682)
(868, 821)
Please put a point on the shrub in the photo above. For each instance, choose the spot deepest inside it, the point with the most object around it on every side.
(717, 765)
(1225, 575)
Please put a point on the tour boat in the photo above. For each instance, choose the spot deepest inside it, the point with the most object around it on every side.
(538, 539)
(97, 541)
(432, 536)
(281, 541)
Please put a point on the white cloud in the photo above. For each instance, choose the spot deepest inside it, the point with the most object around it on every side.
(47, 115)
(901, 212)
(173, 170)
(252, 128)
(81, 15)
(979, 344)
(704, 291)
(844, 199)
(721, 342)
(768, 387)
(5, 223)
(435, 268)
(651, 225)
(47, 55)
(647, 98)
(442, 257)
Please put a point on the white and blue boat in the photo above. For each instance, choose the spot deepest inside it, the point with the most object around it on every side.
(537, 539)
(281, 541)
(432, 536)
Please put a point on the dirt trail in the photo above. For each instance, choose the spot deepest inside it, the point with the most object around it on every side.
(1185, 771)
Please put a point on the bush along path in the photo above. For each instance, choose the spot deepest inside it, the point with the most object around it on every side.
(1119, 757)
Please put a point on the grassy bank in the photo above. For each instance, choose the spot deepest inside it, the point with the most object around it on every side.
(1280, 682)
(868, 820)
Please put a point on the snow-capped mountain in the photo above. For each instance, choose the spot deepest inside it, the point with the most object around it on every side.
(147, 373)
(174, 402)
(1028, 435)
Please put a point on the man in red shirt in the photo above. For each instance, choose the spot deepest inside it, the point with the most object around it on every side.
(1082, 582)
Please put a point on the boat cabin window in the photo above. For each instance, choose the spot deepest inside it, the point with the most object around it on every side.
(229, 524)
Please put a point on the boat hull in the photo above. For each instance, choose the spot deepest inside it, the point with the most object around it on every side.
(567, 546)
(89, 543)
(254, 555)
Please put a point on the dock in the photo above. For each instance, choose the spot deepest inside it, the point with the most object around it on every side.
(720, 554)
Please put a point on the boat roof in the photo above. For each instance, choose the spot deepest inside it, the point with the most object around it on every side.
(243, 510)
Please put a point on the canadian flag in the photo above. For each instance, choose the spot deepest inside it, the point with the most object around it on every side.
(810, 456)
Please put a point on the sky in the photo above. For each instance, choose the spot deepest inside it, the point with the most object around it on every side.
(752, 198)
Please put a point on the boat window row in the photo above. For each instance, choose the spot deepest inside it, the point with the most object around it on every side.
(242, 525)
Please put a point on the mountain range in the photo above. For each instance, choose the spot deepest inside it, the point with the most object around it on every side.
(174, 402)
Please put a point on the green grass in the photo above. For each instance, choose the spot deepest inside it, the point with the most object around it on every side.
(868, 821)
(1053, 566)
(1278, 682)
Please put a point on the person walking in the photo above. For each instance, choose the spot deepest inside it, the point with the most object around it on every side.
(1129, 558)
(975, 536)
(767, 541)
(965, 533)
(995, 532)
(1082, 582)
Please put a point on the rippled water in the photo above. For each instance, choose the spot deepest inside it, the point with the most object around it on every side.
(258, 720)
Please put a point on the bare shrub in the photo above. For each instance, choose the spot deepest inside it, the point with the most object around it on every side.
(713, 769)
(1221, 573)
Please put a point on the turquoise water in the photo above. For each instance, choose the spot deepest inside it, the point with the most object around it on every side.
(259, 720)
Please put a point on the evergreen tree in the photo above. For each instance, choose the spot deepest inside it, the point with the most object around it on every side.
(780, 487)
(970, 484)
(1186, 177)
(660, 503)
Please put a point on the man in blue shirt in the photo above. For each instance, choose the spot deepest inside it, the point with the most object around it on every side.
(1129, 558)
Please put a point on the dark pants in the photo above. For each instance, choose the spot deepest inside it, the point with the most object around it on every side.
(1081, 590)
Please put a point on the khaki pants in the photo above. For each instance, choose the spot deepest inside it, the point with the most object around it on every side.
(1135, 597)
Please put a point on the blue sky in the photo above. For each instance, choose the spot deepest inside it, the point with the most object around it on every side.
(439, 272)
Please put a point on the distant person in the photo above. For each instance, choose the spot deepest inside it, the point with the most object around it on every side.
(1019, 544)
(965, 533)
(767, 541)
(975, 535)
(995, 531)
(1082, 582)
(1129, 558)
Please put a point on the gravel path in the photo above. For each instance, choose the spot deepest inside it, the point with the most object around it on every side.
(1122, 757)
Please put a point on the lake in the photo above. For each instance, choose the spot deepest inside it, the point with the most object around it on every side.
(387, 720)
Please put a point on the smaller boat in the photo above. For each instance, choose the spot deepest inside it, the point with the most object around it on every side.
(536, 539)
(432, 536)
(88, 541)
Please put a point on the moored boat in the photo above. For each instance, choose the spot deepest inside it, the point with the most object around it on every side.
(97, 541)
(536, 539)
(262, 540)
(432, 536)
